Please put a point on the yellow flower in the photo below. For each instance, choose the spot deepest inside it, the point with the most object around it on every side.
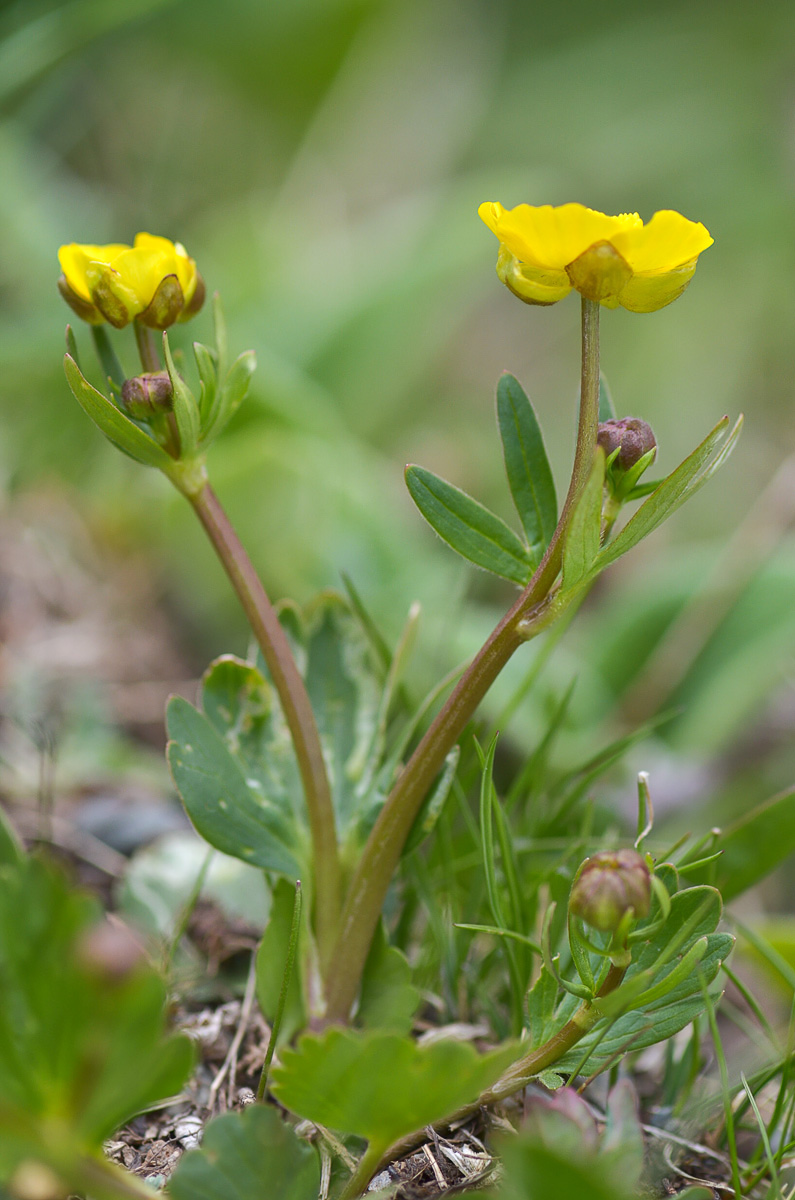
(545, 252)
(153, 280)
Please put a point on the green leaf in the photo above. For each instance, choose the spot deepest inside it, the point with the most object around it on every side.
(526, 465)
(247, 759)
(752, 847)
(248, 1156)
(470, 529)
(118, 429)
(343, 684)
(388, 998)
(208, 378)
(674, 490)
(230, 395)
(541, 1004)
(107, 355)
(186, 410)
(581, 542)
(271, 959)
(80, 1051)
(381, 1086)
(607, 409)
(695, 913)
(232, 812)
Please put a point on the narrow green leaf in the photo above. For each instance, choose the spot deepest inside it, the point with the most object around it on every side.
(472, 530)
(271, 957)
(607, 409)
(671, 493)
(221, 340)
(247, 1156)
(107, 355)
(117, 428)
(581, 543)
(208, 377)
(526, 465)
(232, 816)
(230, 395)
(186, 410)
(380, 1086)
(71, 345)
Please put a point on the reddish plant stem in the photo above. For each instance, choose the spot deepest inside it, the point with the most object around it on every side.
(382, 852)
(297, 709)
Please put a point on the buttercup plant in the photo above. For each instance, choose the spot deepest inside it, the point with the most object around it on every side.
(288, 762)
(157, 418)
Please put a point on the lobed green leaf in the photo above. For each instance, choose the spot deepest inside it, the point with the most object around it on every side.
(247, 1156)
(380, 1086)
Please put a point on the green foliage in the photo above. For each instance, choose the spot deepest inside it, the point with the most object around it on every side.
(81, 1051)
(233, 763)
(662, 991)
(245, 1156)
(380, 1086)
(117, 427)
(388, 997)
(583, 558)
(228, 811)
(271, 959)
(526, 465)
(468, 527)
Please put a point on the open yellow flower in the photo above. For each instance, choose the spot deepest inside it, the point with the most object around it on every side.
(153, 280)
(547, 251)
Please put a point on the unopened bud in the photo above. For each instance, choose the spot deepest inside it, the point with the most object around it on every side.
(630, 436)
(145, 395)
(608, 885)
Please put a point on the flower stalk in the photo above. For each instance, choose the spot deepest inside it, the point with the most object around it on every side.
(526, 618)
(295, 702)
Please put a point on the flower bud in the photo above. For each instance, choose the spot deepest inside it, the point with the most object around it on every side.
(607, 886)
(145, 395)
(630, 436)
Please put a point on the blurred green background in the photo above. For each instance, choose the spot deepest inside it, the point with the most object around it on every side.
(323, 161)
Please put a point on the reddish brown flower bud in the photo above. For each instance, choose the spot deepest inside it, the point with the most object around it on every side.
(608, 885)
(630, 436)
(144, 395)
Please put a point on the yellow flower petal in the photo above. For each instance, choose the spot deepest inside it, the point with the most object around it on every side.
(177, 256)
(667, 241)
(74, 260)
(552, 237)
(534, 285)
(141, 270)
(653, 290)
